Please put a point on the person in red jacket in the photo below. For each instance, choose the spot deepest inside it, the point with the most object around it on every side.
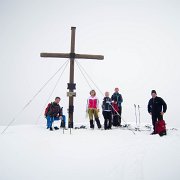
(53, 112)
(93, 109)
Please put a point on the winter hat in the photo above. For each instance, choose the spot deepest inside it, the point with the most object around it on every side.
(153, 91)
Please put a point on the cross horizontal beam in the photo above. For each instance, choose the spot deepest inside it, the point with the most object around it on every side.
(69, 55)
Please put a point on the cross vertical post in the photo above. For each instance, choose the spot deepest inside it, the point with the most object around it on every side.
(71, 85)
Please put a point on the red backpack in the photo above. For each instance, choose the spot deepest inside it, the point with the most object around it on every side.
(160, 127)
(115, 107)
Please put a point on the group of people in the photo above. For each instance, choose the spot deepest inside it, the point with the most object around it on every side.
(111, 110)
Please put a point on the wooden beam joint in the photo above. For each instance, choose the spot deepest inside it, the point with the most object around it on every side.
(72, 55)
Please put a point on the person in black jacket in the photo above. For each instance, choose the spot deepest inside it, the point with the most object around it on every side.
(156, 108)
(117, 99)
(107, 111)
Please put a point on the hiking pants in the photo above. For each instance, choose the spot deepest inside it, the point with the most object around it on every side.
(155, 118)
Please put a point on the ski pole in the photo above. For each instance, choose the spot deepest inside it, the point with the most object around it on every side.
(139, 115)
(135, 114)
(64, 121)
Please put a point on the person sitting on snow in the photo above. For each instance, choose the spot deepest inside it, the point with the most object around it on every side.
(93, 109)
(53, 112)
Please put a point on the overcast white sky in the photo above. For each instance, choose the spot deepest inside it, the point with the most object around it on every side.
(139, 39)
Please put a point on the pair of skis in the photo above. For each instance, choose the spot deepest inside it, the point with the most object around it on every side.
(138, 117)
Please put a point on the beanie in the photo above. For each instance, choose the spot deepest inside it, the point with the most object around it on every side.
(153, 91)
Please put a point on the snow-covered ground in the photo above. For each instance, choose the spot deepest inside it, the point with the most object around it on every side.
(34, 153)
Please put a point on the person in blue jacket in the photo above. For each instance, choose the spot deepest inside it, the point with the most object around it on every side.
(117, 99)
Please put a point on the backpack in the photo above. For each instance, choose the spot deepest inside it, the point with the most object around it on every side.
(52, 110)
(115, 107)
(47, 109)
(160, 127)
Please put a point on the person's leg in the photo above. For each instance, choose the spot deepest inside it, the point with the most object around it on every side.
(51, 122)
(119, 119)
(63, 121)
(64, 118)
(48, 122)
(105, 119)
(109, 120)
(56, 123)
(97, 118)
(90, 112)
(154, 121)
(115, 119)
(91, 124)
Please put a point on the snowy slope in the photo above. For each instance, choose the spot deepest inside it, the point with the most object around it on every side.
(34, 153)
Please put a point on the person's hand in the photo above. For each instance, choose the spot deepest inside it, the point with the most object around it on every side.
(150, 113)
(162, 113)
(60, 117)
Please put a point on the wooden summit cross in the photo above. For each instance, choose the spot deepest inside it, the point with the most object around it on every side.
(71, 85)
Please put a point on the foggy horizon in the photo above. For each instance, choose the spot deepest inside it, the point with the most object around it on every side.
(140, 42)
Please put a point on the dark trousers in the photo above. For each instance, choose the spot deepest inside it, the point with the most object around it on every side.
(117, 117)
(120, 112)
(97, 122)
(107, 119)
(155, 118)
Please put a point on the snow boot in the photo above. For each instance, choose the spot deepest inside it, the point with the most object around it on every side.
(62, 124)
(56, 128)
(153, 133)
(98, 122)
(105, 124)
(115, 120)
(91, 124)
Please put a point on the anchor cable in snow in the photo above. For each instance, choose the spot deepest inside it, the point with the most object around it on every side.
(31, 100)
(50, 95)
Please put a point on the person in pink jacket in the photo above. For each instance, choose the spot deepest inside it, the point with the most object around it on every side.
(93, 109)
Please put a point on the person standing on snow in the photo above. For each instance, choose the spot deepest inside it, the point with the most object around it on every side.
(53, 113)
(117, 101)
(107, 111)
(93, 109)
(156, 108)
